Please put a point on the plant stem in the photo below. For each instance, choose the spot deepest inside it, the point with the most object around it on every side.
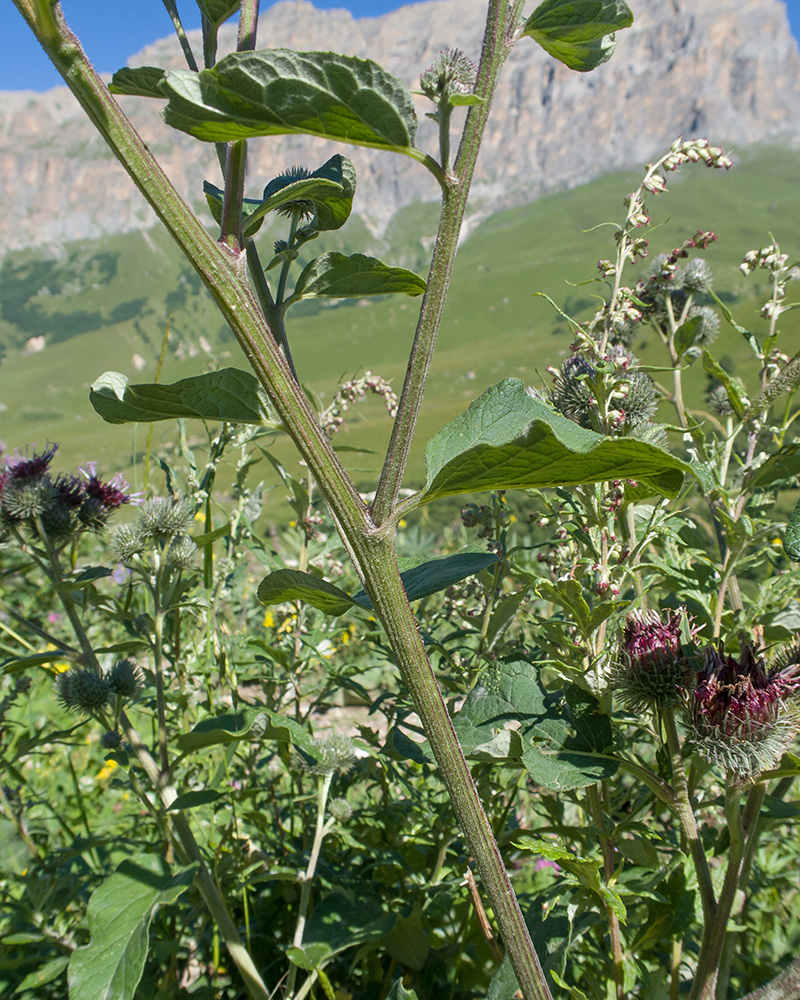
(397, 619)
(371, 545)
(742, 829)
(685, 815)
(501, 21)
(203, 879)
(323, 788)
(596, 812)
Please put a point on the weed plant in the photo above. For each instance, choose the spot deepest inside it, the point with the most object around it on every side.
(236, 763)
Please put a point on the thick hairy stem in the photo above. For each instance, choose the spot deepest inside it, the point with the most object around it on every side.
(786, 986)
(224, 274)
(501, 21)
(388, 599)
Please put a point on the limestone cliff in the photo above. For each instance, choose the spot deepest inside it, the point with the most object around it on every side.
(726, 69)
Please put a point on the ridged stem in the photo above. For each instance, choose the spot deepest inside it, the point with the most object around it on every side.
(501, 21)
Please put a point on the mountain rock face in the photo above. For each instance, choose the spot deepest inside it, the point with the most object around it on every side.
(725, 69)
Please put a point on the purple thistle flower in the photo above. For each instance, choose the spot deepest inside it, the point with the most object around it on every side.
(740, 716)
(653, 669)
(20, 467)
(68, 491)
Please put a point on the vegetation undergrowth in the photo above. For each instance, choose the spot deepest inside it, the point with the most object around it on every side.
(245, 762)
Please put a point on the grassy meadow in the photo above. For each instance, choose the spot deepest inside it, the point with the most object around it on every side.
(108, 305)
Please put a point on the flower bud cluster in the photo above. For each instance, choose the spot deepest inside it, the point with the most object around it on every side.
(351, 392)
(691, 151)
(32, 500)
(451, 74)
(87, 691)
(490, 519)
(770, 258)
(742, 716)
(164, 522)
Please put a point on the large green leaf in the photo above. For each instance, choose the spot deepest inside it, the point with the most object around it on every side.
(339, 276)
(568, 747)
(506, 439)
(579, 33)
(120, 911)
(281, 92)
(419, 581)
(219, 729)
(339, 923)
(228, 394)
(557, 736)
(293, 585)
(329, 190)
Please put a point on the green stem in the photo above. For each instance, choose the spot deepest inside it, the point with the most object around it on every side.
(177, 24)
(501, 21)
(231, 228)
(224, 273)
(741, 829)
(190, 850)
(274, 316)
(596, 812)
(685, 815)
(394, 612)
(323, 788)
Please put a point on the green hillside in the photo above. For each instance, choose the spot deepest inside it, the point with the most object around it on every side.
(101, 305)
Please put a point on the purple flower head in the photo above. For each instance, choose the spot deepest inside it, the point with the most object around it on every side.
(101, 499)
(20, 467)
(741, 718)
(653, 669)
(68, 491)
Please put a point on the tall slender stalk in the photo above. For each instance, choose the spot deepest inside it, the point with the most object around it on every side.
(368, 539)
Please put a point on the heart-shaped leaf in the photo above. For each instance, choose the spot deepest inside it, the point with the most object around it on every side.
(281, 92)
(507, 439)
(229, 394)
(579, 33)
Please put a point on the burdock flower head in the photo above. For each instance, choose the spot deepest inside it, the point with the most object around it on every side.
(743, 716)
(654, 669)
(57, 506)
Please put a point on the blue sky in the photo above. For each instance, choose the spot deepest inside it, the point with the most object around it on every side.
(112, 30)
